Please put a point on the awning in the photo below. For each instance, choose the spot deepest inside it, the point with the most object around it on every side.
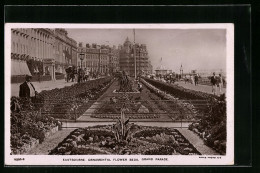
(19, 67)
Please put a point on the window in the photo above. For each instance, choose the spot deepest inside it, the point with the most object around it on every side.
(13, 47)
(21, 49)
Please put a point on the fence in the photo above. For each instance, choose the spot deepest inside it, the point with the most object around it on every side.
(153, 111)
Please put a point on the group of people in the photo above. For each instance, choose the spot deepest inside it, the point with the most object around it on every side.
(80, 75)
(193, 79)
(217, 81)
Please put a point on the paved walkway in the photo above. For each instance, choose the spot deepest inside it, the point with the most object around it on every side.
(197, 142)
(202, 88)
(97, 104)
(44, 85)
(40, 86)
(50, 143)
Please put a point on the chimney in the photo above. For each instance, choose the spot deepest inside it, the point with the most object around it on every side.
(80, 44)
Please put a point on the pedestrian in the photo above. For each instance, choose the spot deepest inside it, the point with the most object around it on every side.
(139, 85)
(196, 79)
(220, 83)
(27, 90)
(185, 79)
(80, 75)
(213, 81)
(192, 79)
(37, 72)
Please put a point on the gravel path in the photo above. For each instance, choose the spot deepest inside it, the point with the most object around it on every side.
(197, 142)
(50, 143)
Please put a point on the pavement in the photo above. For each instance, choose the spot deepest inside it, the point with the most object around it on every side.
(44, 85)
(199, 87)
(197, 142)
(50, 143)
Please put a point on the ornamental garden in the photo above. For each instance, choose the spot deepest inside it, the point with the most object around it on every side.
(119, 101)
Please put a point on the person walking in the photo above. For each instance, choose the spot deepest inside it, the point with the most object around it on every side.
(213, 81)
(27, 90)
(196, 79)
(37, 72)
(192, 79)
(220, 83)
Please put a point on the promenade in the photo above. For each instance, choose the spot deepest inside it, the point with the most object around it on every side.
(199, 87)
(44, 85)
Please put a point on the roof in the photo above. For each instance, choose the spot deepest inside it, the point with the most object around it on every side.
(161, 67)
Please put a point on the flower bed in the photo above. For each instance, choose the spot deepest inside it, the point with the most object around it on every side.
(212, 126)
(31, 122)
(186, 110)
(180, 92)
(136, 109)
(29, 127)
(154, 104)
(71, 102)
(142, 140)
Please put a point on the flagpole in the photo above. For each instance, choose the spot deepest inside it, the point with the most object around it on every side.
(134, 53)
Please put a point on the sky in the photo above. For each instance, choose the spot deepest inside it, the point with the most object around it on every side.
(201, 49)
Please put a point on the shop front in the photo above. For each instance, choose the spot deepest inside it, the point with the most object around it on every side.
(49, 68)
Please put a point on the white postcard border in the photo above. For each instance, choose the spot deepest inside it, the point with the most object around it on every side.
(228, 159)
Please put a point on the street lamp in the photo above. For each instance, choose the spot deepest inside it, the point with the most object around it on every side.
(81, 57)
(134, 53)
(181, 71)
(99, 61)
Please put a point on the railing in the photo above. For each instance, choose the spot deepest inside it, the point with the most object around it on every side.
(140, 110)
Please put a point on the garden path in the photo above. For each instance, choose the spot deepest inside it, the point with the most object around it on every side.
(86, 117)
(197, 142)
(98, 103)
(50, 143)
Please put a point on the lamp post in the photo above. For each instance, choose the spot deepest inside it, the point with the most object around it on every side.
(181, 71)
(81, 57)
(110, 65)
(99, 52)
(134, 54)
(139, 73)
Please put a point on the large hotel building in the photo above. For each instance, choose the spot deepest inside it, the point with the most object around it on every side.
(103, 59)
(129, 54)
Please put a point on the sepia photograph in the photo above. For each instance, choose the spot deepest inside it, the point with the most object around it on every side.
(119, 94)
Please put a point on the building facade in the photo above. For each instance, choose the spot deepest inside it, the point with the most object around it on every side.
(113, 60)
(98, 59)
(131, 55)
(65, 49)
(32, 48)
(41, 51)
